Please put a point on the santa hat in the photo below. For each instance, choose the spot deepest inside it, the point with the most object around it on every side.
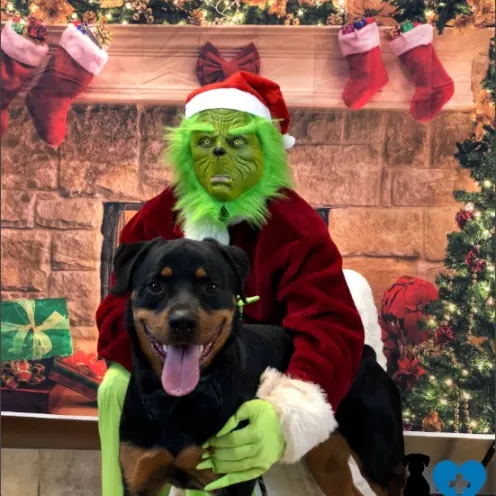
(245, 92)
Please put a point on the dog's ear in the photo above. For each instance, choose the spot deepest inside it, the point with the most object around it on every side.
(426, 460)
(126, 259)
(237, 260)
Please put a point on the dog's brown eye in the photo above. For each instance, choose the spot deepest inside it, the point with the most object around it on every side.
(212, 288)
(155, 287)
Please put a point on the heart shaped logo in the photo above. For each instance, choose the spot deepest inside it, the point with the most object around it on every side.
(465, 480)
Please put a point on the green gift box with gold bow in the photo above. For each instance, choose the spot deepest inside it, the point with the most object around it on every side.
(35, 329)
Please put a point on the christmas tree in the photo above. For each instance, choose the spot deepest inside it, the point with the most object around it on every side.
(455, 390)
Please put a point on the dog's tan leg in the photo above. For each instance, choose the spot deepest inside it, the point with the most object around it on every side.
(188, 460)
(328, 464)
(145, 470)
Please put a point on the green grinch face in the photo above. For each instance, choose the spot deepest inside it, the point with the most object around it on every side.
(227, 159)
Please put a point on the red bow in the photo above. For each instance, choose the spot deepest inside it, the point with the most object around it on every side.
(211, 67)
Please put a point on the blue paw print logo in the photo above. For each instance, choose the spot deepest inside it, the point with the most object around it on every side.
(465, 480)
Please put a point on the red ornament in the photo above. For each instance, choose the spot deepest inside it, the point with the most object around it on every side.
(408, 373)
(474, 263)
(36, 29)
(444, 334)
(462, 218)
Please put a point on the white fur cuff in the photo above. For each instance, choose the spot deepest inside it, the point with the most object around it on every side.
(83, 51)
(419, 35)
(21, 49)
(305, 415)
(360, 41)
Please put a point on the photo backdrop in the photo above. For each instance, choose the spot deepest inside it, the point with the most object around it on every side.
(381, 181)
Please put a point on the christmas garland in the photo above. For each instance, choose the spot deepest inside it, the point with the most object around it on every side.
(460, 13)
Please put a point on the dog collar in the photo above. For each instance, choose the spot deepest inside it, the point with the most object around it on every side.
(247, 301)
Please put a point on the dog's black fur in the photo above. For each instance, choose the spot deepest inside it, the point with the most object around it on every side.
(369, 417)
(151, 417)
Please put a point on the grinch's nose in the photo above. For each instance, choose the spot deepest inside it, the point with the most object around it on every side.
(219, 151)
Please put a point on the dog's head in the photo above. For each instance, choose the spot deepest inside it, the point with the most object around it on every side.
(183, 297)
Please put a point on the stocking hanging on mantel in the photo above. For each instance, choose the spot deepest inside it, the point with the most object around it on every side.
(412, 44)
(211, 67)
(23, 49)
(77, 60)
(359, 43)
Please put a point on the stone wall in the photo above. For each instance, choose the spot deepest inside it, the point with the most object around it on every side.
(388, 180)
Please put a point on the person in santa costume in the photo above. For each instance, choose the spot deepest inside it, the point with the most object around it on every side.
(232, 182)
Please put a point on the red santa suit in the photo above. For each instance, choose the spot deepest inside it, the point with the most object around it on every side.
(296, 270)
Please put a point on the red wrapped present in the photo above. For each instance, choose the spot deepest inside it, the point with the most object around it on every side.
(81, 372)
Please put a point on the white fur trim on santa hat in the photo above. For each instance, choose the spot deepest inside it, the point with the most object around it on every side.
(289, 141)
(21, 49)
(199, 231)
(422, 34)
(363, 298)
(305, 415)
(360, 40)
(227, 98)
(83, 51)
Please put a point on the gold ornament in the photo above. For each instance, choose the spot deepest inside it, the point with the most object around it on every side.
(51, 11)
(335, 20)
(483, 12)
(102, 34)
(464, 23)
(111, 4)
(196, 17)
(477, 341)
(432, 422)
(89, 17)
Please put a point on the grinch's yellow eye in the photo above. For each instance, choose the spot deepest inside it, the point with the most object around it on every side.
(238, 142)
(205, 141)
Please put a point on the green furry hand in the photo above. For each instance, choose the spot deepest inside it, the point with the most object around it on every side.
(247, 453)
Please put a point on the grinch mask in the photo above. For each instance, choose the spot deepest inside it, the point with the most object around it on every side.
(227, 164)
(227, 161)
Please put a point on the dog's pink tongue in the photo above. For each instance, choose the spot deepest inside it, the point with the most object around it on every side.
(181, 371)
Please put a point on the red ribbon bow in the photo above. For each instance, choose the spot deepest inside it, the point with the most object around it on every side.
(211, 67)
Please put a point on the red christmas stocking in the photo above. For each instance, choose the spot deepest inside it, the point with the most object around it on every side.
(434, 87)
(20, 57)
(69, 72)
(367, 71)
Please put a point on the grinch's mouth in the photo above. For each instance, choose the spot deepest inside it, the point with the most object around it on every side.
(220, 180)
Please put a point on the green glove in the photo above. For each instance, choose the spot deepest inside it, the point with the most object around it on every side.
(247, 453)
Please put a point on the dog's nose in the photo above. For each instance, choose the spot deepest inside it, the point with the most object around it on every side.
(182, 321)
(219, 151)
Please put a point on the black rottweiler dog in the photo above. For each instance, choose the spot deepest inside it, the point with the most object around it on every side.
(194, 363)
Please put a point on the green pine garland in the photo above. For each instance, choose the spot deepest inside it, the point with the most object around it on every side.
(314, 12)
(459, 382)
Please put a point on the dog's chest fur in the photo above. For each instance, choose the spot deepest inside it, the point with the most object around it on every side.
(152, 418)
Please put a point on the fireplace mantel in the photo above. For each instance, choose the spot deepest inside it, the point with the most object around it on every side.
(156, 64)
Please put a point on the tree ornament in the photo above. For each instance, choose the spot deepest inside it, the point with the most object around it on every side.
(463, 217)
(444, 334)
(474, 263)
(89, 17)
(52, 11)
(432, 422)
(335, 20)
(111, 4)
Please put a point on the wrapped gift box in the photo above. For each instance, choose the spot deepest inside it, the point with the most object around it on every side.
(36, 399)
(34, 329)
(82, 372)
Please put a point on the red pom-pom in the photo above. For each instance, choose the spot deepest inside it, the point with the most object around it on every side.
(474, 263)
(462, 218)
(444, 334)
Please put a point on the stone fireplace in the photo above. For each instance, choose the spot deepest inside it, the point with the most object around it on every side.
(383, 182)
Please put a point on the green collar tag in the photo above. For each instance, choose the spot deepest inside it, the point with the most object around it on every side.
(241, 304)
